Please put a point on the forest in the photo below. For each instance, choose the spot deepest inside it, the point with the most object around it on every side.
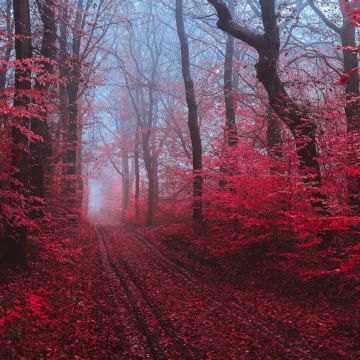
(179, 179)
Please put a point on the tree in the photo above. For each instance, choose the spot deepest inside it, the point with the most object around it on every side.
(267, 44)
(192, 114)
(17, 231)
(230, 125)
(73, 187)
(41, 150)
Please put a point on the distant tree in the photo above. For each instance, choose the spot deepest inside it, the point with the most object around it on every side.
(231, 136)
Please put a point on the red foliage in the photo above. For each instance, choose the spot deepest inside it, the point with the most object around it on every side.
(53, 310)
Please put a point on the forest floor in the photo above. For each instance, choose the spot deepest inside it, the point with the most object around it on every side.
(103, 292)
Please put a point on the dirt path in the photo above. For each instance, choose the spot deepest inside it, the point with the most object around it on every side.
(171, 314)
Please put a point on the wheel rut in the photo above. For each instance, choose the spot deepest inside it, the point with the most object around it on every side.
(147, 274)
(271, 326)
(134, 289)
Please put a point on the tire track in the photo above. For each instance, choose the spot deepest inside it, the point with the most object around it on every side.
(165, 324)
(151, 341)
(167, 261)
(267, 324)
(270, 325)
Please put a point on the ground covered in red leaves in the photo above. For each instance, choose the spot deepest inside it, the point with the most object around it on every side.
(57, 308)
(123, 293)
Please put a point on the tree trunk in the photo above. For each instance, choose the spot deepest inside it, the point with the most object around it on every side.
(15, 249)
(156, 180)
(301, 126)
(61, 136)
(192, 114)
(231, 136)
(150, 204)
(150, 175)
(73, 142)
(41, 150)
(352, 108)
(154, 161)
(125, 182)
(64, 71)
(230, 133)
(137, 176)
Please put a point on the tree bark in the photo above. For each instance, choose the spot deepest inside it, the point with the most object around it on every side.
(15, 248)
(73, 182)
(192, 114)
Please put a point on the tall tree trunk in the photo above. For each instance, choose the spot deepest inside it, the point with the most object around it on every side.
(352, 108)
(154, 161)
(5, 129)
(73, 142)
(15, 248)
(230, 133)
(156, 180)
(63, 69)
(79, 163)
(61, 136)
(192, 114)
(41, 150)
(231, 136)
(149, 171)
(125, 182)
(137, 176)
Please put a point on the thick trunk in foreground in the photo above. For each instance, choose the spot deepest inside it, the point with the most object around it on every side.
(15, 244)
(352, 108)
(192, 114)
